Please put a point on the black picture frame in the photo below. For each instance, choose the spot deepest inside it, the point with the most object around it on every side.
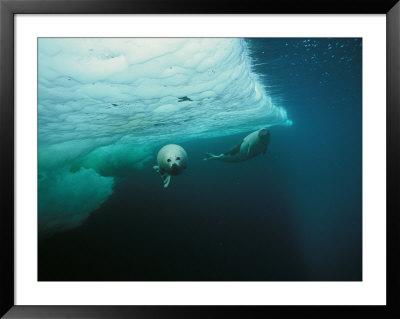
(8, 8)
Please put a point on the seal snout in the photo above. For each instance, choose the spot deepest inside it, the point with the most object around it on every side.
(175, 168)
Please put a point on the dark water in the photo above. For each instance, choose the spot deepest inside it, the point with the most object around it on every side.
(292, 214)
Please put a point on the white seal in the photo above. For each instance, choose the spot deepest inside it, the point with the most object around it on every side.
(252, 145)
(172, 160)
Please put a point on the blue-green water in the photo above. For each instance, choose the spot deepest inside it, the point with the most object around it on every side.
(294, 213)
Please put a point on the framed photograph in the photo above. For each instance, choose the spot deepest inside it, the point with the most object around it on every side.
(187, 160)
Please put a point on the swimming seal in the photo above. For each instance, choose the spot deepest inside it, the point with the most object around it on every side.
(172, 160)
(252, 145)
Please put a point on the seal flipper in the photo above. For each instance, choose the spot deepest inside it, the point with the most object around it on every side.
(234, 150)
(166, 179)
(210, 156)
(249, 150)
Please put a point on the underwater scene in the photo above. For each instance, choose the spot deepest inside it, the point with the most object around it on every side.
(199, 159)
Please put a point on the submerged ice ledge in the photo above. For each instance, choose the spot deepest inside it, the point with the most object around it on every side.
(110, 102)
(143, 89)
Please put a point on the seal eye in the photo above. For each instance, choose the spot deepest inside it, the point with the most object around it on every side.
(178, 158)
(169, 160)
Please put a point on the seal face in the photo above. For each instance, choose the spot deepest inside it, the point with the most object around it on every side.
(252, 145)
(172, 160)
